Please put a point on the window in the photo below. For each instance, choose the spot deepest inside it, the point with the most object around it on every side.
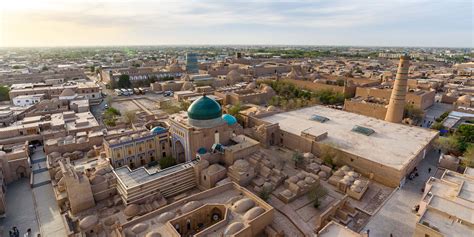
(363, 130)
(164, 154)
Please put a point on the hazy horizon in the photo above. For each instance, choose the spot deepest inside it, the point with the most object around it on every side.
(364, 23)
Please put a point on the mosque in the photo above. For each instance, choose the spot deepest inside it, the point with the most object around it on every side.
(203, 129)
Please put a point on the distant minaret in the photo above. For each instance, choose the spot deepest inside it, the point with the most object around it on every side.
(399, 91)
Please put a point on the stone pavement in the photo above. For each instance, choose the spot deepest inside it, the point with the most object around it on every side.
(33, 207)
(20, 211)
(49, 217)
(396, 217)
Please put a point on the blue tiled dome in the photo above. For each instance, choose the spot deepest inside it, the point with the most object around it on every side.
(158, 129)
(229, 119)
(204, 108)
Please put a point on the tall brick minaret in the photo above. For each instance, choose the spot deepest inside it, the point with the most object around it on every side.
(397, 99)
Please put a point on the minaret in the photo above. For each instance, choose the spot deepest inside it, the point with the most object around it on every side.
(397, 99)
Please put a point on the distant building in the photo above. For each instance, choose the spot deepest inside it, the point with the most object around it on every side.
(192, 63)
(27, 100)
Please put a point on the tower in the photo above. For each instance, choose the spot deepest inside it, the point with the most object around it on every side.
(396, 105)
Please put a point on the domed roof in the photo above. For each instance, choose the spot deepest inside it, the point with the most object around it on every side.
(97, 179)
(139, 228)
(214, 168)
(268, 89)
(67, 92)
(158, 130)
(192, 205)
(153, 234)
(204, 108)
(253, 213)
(465, 99)
(131, 210)
(243, 205)
(230, 120)
(187, 86)
(251, 85)
(233, 228)
(166, 216)
(241, 165)
(234, 76)
(88, 222)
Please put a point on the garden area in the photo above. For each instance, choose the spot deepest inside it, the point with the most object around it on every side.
(289, 96)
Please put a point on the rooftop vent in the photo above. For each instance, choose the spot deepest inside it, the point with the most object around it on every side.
(363, 130)
(319, 118)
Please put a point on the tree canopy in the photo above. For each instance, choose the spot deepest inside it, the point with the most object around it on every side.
(4, 93)
(166, 162)
(124, 81)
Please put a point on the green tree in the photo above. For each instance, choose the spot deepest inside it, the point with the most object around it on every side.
(297, 158)
(438, 126)
(130, 117)
(466, 133)
(185, 105)
(264, 194)
(4, 93)
(316, 192)
(449, 145)
(468, 158)
(92, 68)
(415, 114)
(235, 109)
(44, 68)
(124, 81)
(166, 162)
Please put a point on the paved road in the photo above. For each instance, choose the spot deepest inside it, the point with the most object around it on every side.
(395, 217)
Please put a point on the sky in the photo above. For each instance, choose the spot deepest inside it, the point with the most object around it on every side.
(429, 23)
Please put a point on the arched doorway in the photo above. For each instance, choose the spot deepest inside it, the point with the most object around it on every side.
(21, 172)
(180, 154)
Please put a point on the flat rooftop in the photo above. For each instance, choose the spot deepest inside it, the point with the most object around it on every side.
(391, 144)
(131, 178)
(334, 229)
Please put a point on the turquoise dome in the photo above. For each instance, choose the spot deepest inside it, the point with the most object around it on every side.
(158, 129)
(204, 108)
(229, 119)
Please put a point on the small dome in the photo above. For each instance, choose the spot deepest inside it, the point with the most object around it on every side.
(308, 155)
(113, 141)
(243, 205)
(135, 136)
(166, 216)
(124, 139)
(139, 228)
(91, 153)
(97, 179)
(187, 86)
(204, 108)
(214, 168)
(301, 175)
(358, 182)
(268, 89)
(293, 179)
(54, 154)
(158, 130)
(267, 186)
(339, 173)
(69, 138)
(81, 140)
(253, 213)
(153, 234)
(287, 193)
(234, 76)
(229, 119)
(322, 174)
(251, 86)
(301, 183)
(132, 210)
(309, 180)
(345, 168)
(67, 154)
(190, 206)
(88, 222)
(350, 178)
(110, 221)
(67, 92)
(271, 108)
(241, 165)
(233, 228)
(465, 99)
(314, 166)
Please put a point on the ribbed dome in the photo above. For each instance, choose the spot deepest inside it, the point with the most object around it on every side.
(67, 92)
(204, 108)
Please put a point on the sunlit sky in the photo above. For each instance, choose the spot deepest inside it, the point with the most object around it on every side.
(438, 23)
